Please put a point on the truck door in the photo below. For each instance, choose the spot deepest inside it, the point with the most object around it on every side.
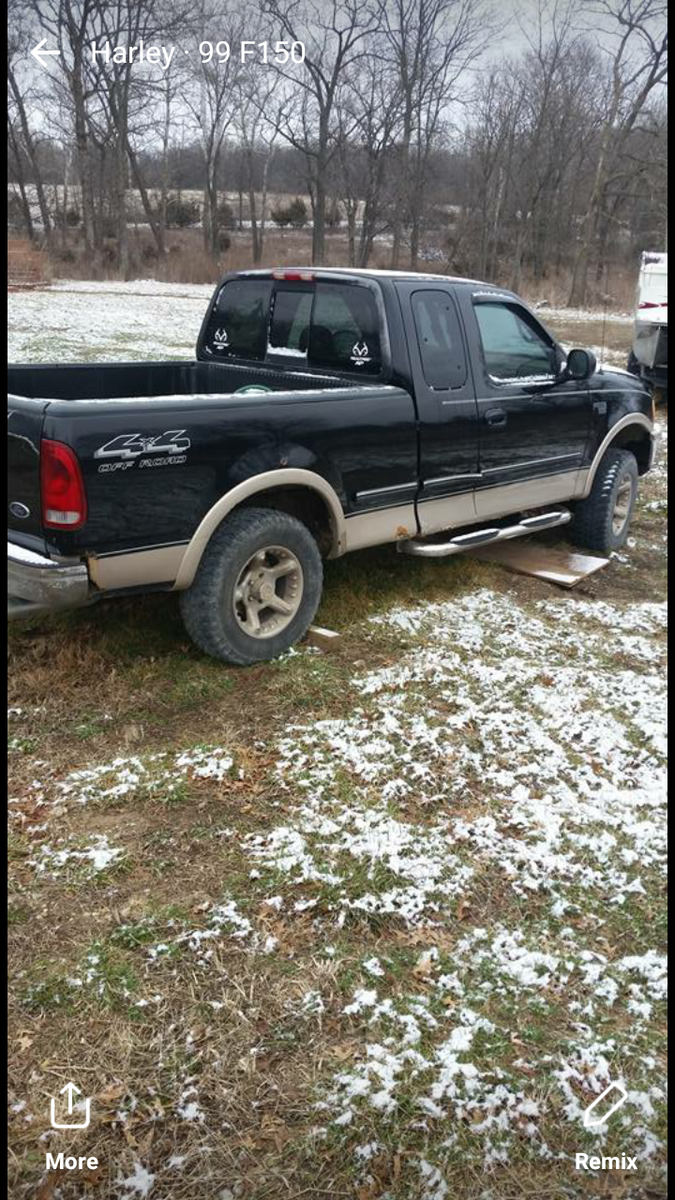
(446, 406)
(533, 432)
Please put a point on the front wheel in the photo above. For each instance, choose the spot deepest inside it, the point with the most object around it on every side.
(257, 587)
(601, 521)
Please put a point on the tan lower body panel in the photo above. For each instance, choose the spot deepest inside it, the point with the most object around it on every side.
(161, 564)
(136, 568)
(449, 512)
(383, 525)
(529, 493)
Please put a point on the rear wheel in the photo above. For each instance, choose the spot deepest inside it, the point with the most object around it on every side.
(602, 520)
(257, 587)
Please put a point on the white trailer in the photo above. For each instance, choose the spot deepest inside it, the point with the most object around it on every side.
(649, 355)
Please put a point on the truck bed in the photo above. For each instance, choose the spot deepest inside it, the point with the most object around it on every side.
(146, 380)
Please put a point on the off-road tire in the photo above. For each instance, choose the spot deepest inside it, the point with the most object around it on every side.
(207, 607)
(593, 525)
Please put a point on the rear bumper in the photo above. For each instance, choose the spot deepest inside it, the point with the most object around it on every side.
(37, 585)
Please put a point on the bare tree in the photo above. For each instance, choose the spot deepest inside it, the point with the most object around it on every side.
(21, 89)
(212, 102)
(335, 34)
(369, 122)
(638, 49)
(432, 44)
(255, 98)
(68, 24)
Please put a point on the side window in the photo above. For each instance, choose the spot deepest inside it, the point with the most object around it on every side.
(439, 340)
(344, 332)
(513, 346)
(291, 310)
(238, 324)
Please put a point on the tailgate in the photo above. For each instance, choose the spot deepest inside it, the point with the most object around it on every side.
(24, 428)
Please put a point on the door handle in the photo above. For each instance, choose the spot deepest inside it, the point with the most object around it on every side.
(496, 416)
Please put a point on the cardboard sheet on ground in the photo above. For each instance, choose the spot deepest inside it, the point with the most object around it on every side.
(557, 566)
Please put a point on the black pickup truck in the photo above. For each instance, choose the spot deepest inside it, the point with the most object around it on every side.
(326, 410)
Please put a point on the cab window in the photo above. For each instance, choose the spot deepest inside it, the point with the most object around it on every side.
(344, 330)
(238, 324)
(439, 340)
(289, 324)
(514, 347)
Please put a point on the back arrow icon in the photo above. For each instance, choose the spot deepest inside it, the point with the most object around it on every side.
(38, 52)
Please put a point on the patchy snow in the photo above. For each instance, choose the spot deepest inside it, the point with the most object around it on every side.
(99, 855)
(156, 773)
(139, 1183)
(559, 747)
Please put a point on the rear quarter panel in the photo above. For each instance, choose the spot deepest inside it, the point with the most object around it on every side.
(142, 495)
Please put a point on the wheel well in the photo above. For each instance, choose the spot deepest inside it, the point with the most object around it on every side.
(637, 441)
(302, 503)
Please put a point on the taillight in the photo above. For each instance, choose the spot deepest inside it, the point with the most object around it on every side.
(64, 500)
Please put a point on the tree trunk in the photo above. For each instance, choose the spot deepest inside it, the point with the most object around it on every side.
(319, 229)
(402, 200)
(579, 288)
(154, 221)
(25, 206)
(263, 203)
(30, 147)
(350, 207)
(121, 209)
(164, 187)
(91, 237)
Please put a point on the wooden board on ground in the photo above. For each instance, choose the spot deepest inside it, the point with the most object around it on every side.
(326, 639)
(545, 562)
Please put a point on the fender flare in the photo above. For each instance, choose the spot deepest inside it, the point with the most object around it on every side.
(288, 477)
(639, 420)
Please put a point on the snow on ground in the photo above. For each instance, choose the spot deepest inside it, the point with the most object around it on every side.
(581, 315)
(531, 722)
(502, 750)
(106, 322)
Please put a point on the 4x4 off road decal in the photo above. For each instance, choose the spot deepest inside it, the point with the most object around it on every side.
(129, 448)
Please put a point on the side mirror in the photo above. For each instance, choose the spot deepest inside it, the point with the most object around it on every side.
(580, 365)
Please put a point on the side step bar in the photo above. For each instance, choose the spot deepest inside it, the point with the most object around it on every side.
(482, 537)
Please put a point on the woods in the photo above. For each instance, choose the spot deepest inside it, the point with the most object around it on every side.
(406, 129)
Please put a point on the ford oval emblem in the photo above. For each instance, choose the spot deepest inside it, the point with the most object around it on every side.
(21, 511)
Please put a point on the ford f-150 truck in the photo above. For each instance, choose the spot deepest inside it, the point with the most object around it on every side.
(326, 411)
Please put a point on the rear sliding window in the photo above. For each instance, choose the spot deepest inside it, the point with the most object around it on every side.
(329, 326)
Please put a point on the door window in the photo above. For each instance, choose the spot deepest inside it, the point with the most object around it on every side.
(439, 340)
(513, 346)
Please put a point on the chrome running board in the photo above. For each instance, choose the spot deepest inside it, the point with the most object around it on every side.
(483, 537)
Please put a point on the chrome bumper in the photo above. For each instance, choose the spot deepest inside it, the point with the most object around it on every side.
(37, 585)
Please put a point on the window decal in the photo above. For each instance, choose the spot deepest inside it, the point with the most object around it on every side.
(360, 354)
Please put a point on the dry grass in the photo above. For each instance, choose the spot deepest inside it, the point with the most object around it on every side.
(187, 261)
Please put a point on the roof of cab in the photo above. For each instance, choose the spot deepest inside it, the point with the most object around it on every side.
(367, 271)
